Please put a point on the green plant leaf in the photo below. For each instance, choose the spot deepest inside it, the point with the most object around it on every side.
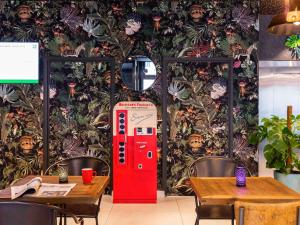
(280, 140)
(293, 41)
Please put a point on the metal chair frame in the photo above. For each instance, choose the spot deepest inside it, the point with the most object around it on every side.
(99, 200)
(54, 209)
(197, 202)
(78, 157)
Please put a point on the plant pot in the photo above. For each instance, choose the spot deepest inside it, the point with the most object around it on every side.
(291, 180)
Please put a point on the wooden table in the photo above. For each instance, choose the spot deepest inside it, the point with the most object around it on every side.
(81, 193)
(213, 191)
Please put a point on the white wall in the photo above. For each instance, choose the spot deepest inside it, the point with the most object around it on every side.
(279, 86)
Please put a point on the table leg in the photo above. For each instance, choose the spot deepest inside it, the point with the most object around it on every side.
(197, 221)
(65, 215)
(60, 216)
(60, 219)
(197, 210)
(233, 216)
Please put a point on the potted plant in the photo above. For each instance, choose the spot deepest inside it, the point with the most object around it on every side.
(282, 142)
(293, 44)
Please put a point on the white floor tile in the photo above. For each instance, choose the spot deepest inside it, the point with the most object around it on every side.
(171, 210)
(186, 207)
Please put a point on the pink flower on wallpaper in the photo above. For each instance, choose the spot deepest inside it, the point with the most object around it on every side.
(237, 64)
(132, 27)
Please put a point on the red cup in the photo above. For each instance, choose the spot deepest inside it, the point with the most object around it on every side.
(88, 174)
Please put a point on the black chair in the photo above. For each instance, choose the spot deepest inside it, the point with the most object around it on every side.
(74, 166)
(213, 167)
(26, 213)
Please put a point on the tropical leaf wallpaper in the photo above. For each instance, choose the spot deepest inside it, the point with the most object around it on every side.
(198, 108)
(79, 93)
(21, 146)
(79, 110)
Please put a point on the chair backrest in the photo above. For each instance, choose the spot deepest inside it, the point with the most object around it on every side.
(251, 213)
(213, 167)
(17, 213)
(76, 164)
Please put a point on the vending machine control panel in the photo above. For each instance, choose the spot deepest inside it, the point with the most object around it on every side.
(134, 152)
(122, 132)
(145, 144)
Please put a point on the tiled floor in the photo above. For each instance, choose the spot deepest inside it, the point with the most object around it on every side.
(168, 211)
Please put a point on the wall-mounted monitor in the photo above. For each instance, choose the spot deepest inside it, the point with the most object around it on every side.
(19, 62)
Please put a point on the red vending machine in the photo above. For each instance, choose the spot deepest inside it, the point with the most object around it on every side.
(134, 152)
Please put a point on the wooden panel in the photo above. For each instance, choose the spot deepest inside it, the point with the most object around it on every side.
(81, 193)
(267, 213)
(224, 191)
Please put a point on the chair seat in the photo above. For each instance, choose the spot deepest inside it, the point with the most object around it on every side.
(83, 210)
(215, 212)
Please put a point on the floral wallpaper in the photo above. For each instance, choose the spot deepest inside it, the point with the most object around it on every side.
(21, 146)
(198, 107)
(79, 110)
(117, 29)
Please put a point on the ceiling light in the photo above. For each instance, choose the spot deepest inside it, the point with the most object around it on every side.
(287, 23)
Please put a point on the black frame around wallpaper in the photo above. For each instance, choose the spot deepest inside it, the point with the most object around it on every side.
(218, 33)
(165, 74)
(47, 60)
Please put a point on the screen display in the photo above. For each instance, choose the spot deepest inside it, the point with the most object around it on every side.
(19, 62)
